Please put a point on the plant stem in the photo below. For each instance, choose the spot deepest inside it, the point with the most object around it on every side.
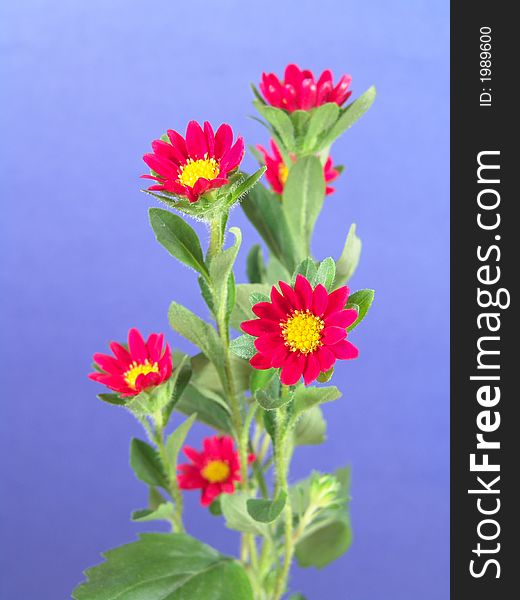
(173, 487)
(281, 456)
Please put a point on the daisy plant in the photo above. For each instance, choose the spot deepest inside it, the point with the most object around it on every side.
(265, 357)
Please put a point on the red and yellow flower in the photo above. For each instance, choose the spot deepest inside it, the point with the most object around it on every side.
(302, 331)
(130, 371)
(191, 166)
(277, 171)
(299, 90)
(214, 471)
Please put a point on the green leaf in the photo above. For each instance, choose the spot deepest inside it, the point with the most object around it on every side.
(302, 200)
(310, 428)
(266, 511)
(165, 565)
(112, 399)
(264, 210)
(300, 120)
(326, 273)
(164, 512)
(261, 379)
(322, 119)
(362, 300)
(349, 116)
(245, 186)
(276, 271)
(178, 238)
(242, 309)
(205, 375)
(307, 268)
(325, 543)
(255, 265)
(209, 407)
(243, 346)
(329, 534)
(271, 396)
(234, 508)
(349, 259)
(175, 441)
(155, 498)
(280, 121)
(146, 464)
(325, 376)
(297, 596)
(200, 333)
(307, 397)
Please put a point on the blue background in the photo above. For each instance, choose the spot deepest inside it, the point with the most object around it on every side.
(89, 84)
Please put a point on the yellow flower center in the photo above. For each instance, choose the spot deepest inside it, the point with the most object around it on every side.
(283, 173)
(302, 331)
(195, 169)
(216, 471)
(137, 369)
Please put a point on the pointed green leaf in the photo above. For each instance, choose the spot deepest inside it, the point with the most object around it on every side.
(310, 428)
(349, 259)
(322, 119)
(175, 441)
(281, 122)
(307, 268)
(264, 210)
(349, 116)
(255, 265)
(326, 273)
(302, 200)
(200, 333)
(245, 187)
(178, 238)
(164, 512)
(209, 407)
(306, 397)
(146, 464)
(112, 399)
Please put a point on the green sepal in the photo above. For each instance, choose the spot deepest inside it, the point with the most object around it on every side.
(361, 300)
(255, 265)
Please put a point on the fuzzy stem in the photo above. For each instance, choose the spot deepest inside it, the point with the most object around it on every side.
(282, 453)
(173, 486)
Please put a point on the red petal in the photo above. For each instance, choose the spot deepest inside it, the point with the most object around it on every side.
(233, 157)
(260, 362)
(280, 304)
(293, 368)
(223, 140)
(137, 346)
(210, 138)
(320, 300)
(179, 145)
(196, 457)
(290, 295)
(268, 342)
(304, 290)
(258, 327)
(210, 493)
(312, 368)
(266, 310)
(332, 335)
(337, 300)
(109, 364)
(326, 358)
(279, 356)
(344, 350)
(342, 318)
(195, 141)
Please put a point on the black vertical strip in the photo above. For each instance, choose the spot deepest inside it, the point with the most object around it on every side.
(485, 256)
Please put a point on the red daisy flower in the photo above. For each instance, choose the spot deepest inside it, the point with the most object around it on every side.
(300, 91)
(214, 470)
(195, 165)
(277, 171)
(302, 331)
(143, 365)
